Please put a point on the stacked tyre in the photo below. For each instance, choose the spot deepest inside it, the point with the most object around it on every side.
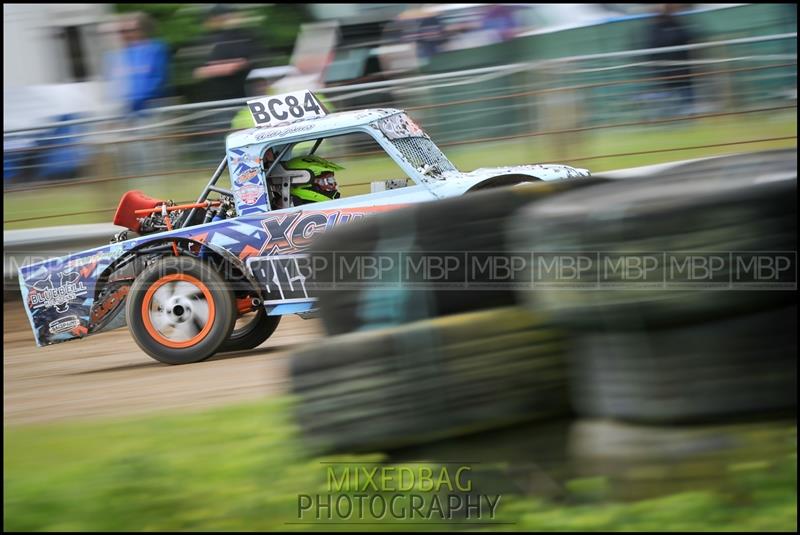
(672, 349)
(420, 360)
(412, 364)
(429, 379)
(451, 228)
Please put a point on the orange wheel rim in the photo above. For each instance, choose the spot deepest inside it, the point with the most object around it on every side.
(178, 311)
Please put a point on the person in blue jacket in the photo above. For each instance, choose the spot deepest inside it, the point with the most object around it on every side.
(140, 74)
(141, 66)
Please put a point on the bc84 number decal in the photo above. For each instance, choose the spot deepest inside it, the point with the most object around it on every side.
(279, 109)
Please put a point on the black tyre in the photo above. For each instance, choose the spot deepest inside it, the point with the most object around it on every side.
(251, 330)
(663, 223)
(702, 372)
(180, 311)
(428, 380)
(474, 223)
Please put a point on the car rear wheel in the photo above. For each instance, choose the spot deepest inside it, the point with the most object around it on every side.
(180, 311)
(251, 330)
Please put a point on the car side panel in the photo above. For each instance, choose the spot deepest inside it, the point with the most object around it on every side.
(59, 293)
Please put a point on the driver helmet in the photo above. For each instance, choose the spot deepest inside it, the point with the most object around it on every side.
(321, 184)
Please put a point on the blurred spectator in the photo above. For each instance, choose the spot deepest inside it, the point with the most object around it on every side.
(500, 20)
(63, 154)
(667, 30)
(139, 74)
(141, 67)
(232, 52)
(445, 27)
(422, 28)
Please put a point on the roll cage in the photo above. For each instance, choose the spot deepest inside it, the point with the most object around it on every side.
(421, 160)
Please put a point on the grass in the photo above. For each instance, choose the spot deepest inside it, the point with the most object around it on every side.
(242, 468)
(563, 148)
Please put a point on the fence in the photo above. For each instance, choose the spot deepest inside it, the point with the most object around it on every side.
(614, 109)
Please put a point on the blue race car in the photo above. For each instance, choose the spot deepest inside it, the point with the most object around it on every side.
(216, 275)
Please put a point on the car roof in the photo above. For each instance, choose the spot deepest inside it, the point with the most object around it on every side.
(328, 123)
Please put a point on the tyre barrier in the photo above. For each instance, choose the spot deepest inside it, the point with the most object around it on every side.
(692, 373)
(655, 355)
(473, 223)
(668, 222)
(428, 380)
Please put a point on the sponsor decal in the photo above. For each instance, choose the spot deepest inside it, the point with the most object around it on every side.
(294, 231)
(241, 159)
(114, 251)
(85, 261)
(399, 126)
(281, 277)
(250, 193)
(246, 174)
(45, 294)
(61, 325)
(282, 132)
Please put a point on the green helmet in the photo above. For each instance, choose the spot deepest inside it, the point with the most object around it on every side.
(321, 185)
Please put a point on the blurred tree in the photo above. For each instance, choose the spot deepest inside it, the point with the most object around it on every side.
(181, 26)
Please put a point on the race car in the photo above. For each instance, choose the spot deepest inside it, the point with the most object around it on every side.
(191, 280)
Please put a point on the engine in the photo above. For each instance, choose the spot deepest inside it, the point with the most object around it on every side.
(130, 202)
(143, 214)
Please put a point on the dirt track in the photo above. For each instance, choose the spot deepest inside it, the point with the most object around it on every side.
(107, 375)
